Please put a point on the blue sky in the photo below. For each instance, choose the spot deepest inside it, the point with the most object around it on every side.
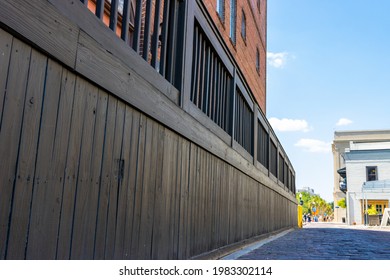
(327, 70)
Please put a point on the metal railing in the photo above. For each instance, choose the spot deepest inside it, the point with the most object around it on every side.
(376, 186)
(243, 123)
(211, 83)
(156, 30)
(153, 28)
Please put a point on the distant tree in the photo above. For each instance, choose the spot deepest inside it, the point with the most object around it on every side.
(310, 201)
(342, 203)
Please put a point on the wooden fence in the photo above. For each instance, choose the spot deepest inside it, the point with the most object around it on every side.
(98, 161)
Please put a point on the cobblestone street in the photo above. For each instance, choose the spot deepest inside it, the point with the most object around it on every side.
(322, 241)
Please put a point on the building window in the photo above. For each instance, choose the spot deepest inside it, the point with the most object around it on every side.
(243, 26)
(233, 18)
(372, 173)
(257, 61)
(273, 159)
(221, 9)
(378, 209)
(258, 5)
(262, 145)
(281, 169)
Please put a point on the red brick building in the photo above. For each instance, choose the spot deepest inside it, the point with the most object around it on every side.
(247, 42)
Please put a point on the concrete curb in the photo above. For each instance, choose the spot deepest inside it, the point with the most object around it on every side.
(221, 253)
(255, 246)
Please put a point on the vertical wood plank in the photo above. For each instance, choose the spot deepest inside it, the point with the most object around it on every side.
(172, 192)
(124, 190)
(115, 182)
(214, 240)
(97, 162)
(43, 226)
(184, 233)
(148, 190)
(27, 154)
(201, 200)
(156, 235)
(11, 122)
(164, 242)
(131, 170)
(107, 162)
(5, 52)
(71, 170)
(61, 142)
(83, 228)
(175, 198)
(140, 155)
(191, 197)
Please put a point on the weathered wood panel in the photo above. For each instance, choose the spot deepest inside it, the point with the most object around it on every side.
(84, 219)
(20, 217)
(124, 192)
(43, 225)
(56, 34)
(10, 125)
(104, 192)
(5, 51)
(71, 171)
(86, 176)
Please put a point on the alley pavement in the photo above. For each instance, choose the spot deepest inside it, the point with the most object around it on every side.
(321, 241)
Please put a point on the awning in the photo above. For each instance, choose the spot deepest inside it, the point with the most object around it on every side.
(342, 172)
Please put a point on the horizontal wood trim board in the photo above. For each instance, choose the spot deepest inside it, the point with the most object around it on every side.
(43, 25)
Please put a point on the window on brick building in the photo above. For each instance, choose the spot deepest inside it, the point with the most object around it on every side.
(221, 9)
(257, 61)
(258, 5)
(243, 26)
(233, 18)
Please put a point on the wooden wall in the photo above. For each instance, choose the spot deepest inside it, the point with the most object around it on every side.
(98, 161)
(86, 176)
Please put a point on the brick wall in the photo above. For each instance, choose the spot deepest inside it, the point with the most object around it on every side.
(244, 51)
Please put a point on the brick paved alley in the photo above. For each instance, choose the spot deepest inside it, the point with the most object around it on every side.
(322, 241)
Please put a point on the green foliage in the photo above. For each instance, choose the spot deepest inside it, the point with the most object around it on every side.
(310, 201)
(372, 210)
(342, 203)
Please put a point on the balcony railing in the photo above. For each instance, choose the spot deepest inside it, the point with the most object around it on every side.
(153, 28)
(179, 40)
(377, 186)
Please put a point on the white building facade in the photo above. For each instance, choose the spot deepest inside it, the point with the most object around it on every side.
(342, 142)
(367, 178)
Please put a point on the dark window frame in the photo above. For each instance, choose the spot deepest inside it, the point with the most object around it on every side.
(243, 26)
(371, 173)
(220, 7)
(233, 21)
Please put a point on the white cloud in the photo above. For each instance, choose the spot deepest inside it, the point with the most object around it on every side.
(289, 125)
(343, 121)
(314, 146)
(277, 60)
